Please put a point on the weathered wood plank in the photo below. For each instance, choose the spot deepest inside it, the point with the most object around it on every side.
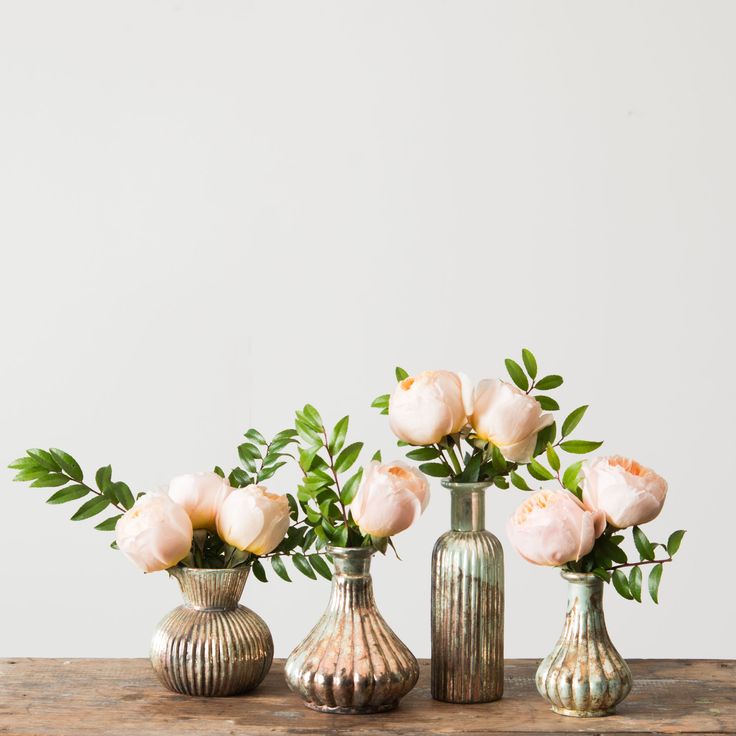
(121, 696)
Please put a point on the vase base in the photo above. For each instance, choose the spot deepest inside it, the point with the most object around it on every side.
(583, 713)
(352, 710)
(460, 701)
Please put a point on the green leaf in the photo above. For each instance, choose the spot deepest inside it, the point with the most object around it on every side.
(530, 362)
(68, 464)
(90, 508)
(423, 453)
(103, 476)
(500, 482)
(573, 419)
(248, 451)
(318, 563)
(279, 568)
(31, 473)
(571, 476)
(517, 374)
(347, 457)
(381, 402)
(302, 564)
(306, 458)
(621, 584)
(44, 459)
(519, 482)
(70, 493)
(347, 494)
(109, 524)
(553, 458)
(256, 436)
(377, 456)
(549, 382)
(26, 463)
(337, 438)
(674, 542)
(50, 481)
(307, 433)
(499, 461)
(313, 416)
(643, 545)
(471, 471)
(602, 574)
(270, 471)
(654, 578)
(635, 583)
(547, 403)
(123, 494)
(538, 471)
(259, 571)
(401, 374)
(612, 550)
(579, 447)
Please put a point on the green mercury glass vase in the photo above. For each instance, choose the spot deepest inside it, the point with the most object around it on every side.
(584, 675)
(467, 603)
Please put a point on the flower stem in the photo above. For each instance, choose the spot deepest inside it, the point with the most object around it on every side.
(639, 564)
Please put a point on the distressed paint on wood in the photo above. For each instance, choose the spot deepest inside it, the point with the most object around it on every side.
(122, 696)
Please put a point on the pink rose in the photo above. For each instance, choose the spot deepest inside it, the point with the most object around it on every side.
(253, 520)
(200, 494)
(155, 534)
(628, 493)
(552, 527)
(425, 408)
(390, 499)
(507, 417)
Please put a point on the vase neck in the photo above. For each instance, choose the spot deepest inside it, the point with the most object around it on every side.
(211, 590)
(584, 592)
(467, 506)
(351, 583)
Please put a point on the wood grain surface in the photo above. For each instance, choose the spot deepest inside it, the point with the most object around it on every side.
(121, 696)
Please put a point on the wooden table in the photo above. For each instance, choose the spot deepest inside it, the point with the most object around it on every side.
(121, 696)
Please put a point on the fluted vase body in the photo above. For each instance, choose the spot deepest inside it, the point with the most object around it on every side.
(351, 661)
(584, 675)
(211, 646)
(467, 603)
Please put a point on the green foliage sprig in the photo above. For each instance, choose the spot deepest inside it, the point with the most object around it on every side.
(56, 468)
(608, 560)
(325, 494)
(464, 457)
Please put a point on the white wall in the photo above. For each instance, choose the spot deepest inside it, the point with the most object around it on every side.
(212, 213)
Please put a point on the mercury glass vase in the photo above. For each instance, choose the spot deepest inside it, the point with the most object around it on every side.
(211, 645)
(351, 661)
(467, 603)
(584, 675)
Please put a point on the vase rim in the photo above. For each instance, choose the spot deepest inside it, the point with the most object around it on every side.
(452, 485)
(350, 551)
(197, 570)
(579, 577)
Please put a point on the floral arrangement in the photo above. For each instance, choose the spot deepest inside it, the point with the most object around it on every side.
(485, 432)
(203, 520)
(363, 510)
(578, 525)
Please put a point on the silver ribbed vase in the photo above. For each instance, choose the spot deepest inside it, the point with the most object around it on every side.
(211, 645)
(584, 675)
(351, 661)
(467, 603)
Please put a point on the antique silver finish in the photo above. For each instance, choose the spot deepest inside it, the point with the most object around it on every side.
(584, 675)
(467, 603)
(211, 645)
(351, 661)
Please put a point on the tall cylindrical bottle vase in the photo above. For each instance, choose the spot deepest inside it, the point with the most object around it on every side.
(467, 603)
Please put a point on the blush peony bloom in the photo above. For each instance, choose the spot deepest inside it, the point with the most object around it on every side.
(201, 495)
(253, 520)
(155, 534)
(425, 408)
(390, 499)
(628, 493)
(552, 528)
(507, 417)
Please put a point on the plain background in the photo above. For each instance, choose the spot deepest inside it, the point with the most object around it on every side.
(214, 212)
